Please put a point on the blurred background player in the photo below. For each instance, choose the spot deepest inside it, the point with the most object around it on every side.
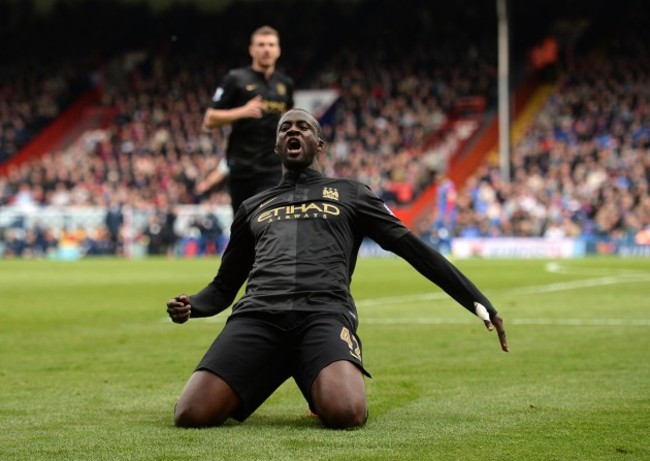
(251, 100)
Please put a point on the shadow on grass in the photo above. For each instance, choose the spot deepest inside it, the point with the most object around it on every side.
(275, 420)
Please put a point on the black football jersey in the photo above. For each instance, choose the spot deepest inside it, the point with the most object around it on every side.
(251, 142)
(296, 246)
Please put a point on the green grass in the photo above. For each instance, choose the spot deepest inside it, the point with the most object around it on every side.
(91, 367)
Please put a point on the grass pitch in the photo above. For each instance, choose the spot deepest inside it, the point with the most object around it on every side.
(91, 367)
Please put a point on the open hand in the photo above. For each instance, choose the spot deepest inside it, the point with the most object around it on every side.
(497, 322)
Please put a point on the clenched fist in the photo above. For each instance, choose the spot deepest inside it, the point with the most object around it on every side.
(179, 308)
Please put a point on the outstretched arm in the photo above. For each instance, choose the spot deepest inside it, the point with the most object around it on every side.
(379, 223)
(443, 273)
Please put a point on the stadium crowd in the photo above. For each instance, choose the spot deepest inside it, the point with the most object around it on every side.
(581, 170)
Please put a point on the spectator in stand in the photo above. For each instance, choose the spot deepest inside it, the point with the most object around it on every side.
(446, 201)
(32, 95)
(251, 100)
(579, 170)
(211, 232)
(153, 233)
(114, 221)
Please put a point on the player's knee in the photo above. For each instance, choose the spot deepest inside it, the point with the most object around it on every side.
(339, 396)
(344, 416)
(187, 416)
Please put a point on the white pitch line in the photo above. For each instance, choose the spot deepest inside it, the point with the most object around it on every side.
(567, 269)
(538, 321)
(585, 283)
(548, 288)
(388, 300)
(584, 322)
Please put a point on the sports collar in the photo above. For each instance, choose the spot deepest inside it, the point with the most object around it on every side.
(294, 177)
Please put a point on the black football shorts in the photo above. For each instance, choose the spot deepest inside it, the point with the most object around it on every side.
(257, 352)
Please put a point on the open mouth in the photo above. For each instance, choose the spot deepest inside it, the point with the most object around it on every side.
(293, 145)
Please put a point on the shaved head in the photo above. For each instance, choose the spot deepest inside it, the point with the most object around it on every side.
(310, 118)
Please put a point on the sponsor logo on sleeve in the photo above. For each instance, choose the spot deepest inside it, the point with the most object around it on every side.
(217, 94)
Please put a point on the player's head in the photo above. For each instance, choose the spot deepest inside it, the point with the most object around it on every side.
(264, 47)
(299, 140)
